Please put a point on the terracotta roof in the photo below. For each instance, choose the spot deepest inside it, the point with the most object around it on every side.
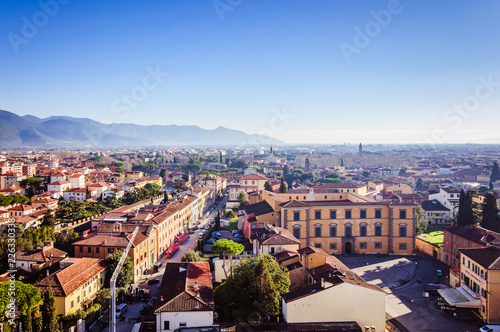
(489, 257)
(475, 233)
(40, 256)
(67, 280)
(58, 183)
(255, 176)
(273, 236)
(185, 287)
(433, 205)
(297, 204)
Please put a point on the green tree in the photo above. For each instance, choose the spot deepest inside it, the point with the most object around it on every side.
(227, 247)
(267, 186)
(163, 172)
(420, 184)
(120, 170)
(103, 297)
(32, 185)
(180, 185)
(283, 186)
(495, 172)
(422, 224)
(49, 311)
(217, 221)
(126, 273)
(402, 171)
(491, 220)
(26, 321)
(366, 174)
(332, 176)
(242, 198)
(192, 256)
(250, 289)
(27, 297)
(49, 219)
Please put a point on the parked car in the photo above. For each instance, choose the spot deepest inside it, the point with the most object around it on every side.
(120, 310)
(211, 240)
(490, 328)
(216, 233)
(153, 281)
(439, 273)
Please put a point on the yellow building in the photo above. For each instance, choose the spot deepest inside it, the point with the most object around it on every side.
(479, 283)
(76, 284)
(344, 227)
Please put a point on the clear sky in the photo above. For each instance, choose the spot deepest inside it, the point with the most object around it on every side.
(302, 71)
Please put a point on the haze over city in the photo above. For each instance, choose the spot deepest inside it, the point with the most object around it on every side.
(302, 72)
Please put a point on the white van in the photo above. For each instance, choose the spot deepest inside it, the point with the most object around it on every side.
(120, 310)
(490, 328)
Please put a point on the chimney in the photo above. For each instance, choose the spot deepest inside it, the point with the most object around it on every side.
(323, 283)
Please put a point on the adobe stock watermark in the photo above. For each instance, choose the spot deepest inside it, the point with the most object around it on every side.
(364, 36)
(223, 6)
(456, 115)
(278, 122)
(122, 106)
(31, 27)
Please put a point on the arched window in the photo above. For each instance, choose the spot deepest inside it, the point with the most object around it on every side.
(333, 230)
(296, 231)
(362, 229)
(317, 230)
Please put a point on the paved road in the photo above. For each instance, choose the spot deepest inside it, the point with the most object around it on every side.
(404, 279)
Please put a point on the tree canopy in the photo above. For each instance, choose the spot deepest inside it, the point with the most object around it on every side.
(491, 220)
(253, 291)
(126, 273)
(267, 186)
(242, 198)
(495, 172)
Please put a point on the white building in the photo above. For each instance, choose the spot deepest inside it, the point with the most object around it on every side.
(58, 188)
(449, 197)
(185, 297)
(75, 194)
(77, 180)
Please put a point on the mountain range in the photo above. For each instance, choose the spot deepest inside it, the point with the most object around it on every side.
(64, 131)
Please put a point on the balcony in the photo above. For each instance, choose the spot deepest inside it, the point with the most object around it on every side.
(470, 291)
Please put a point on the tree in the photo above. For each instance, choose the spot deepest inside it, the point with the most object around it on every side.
(366, 174)
(126, 273)
(402, 171)
(26, 321)
(49, 219)
(491, 220)
(230, 213)
(422, 224)
(251, 289)
(495, 172)
(103, 297)
(27, 298)
(49, 311)
(180, 185)
(32, 185)
(217, 221)
(283, 186)
(267, 186)
(242, 198)
(420, 184)
(192, 256)
(227, 247)
(120, 170)
(163, 172)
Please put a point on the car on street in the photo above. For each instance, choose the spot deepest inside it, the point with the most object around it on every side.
(153, 281)
(211, 240)
(439, 273)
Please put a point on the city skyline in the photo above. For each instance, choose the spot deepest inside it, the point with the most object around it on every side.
(302, 72)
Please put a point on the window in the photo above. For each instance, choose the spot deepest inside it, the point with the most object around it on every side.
(454, 237)
(333, 246)
(463, 260)
(96, 250)
(348, 214)
(348, 230)
(317, 245)
(378, 245)
(460, 240)
(402, 230)
(78, 298)
(166, 325)
(362, 229)
(89, 249)
(378, 229)
(317, 214)
(474, 245)
(378, 214)
(333, 214)
(110, 250)
(182, 324)
(81, 249)
(363, 245)
(466, 244)
(272, 250)
(402, 246)
(296, 216)
(317, 230)
(402, 214)
(333, 230)
(296, 231)
(305, 279)
(362, 214)
(72, 304)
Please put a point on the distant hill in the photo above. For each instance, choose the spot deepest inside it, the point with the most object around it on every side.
(64, 131)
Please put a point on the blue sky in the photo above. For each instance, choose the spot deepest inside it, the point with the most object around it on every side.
(301, 71)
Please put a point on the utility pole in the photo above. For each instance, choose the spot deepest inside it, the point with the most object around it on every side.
(112, 326)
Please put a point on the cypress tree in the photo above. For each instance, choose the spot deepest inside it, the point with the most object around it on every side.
(49, 313)
(491, 220)
(26, 321)
(495, 172)
(461, 209)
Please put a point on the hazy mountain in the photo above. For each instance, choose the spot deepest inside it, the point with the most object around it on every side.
(65, 131)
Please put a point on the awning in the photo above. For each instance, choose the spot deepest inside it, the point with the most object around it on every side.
(89, 300)
(458, 297)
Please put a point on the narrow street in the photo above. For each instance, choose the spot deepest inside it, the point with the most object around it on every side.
(133, 311)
